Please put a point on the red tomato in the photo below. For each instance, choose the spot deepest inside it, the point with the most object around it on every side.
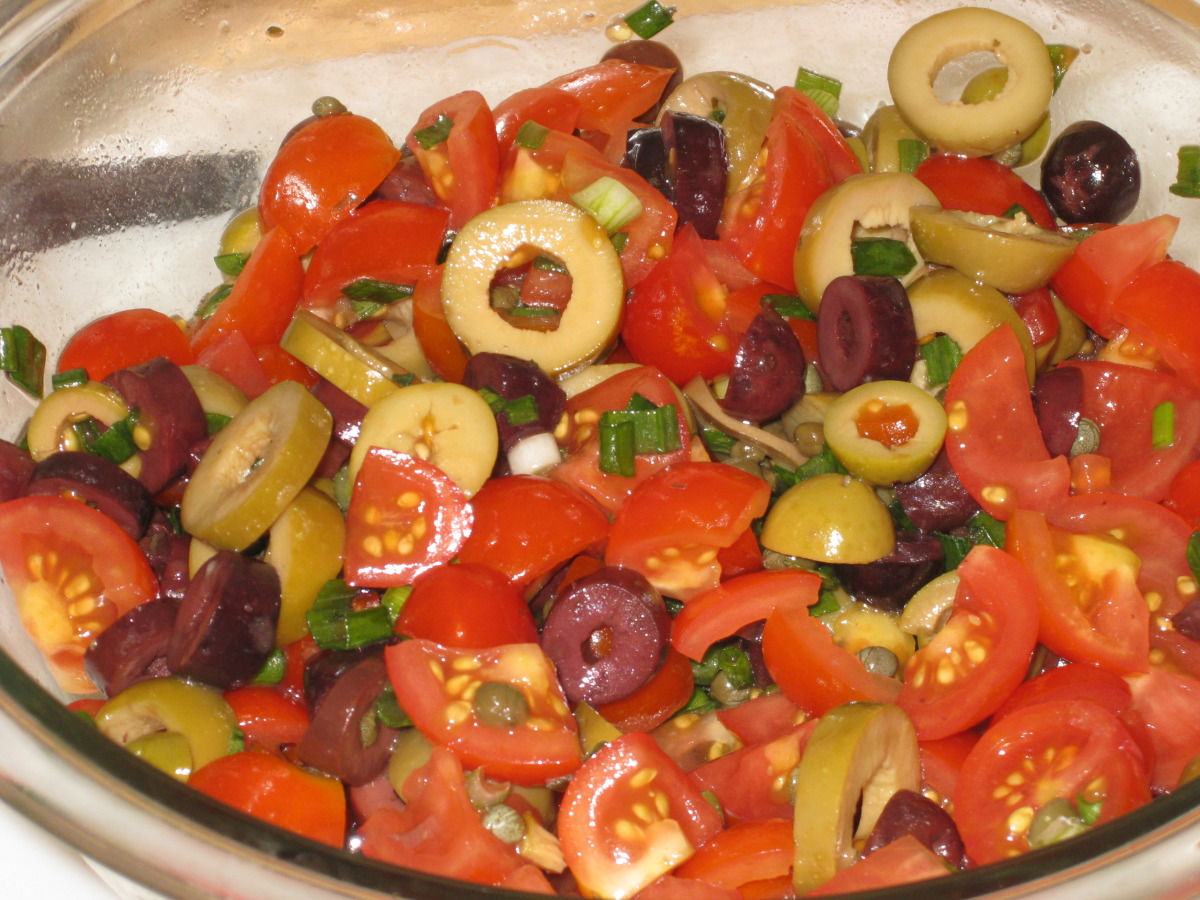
(903, 861)
(1091, 610)
(1167, 709)
(741, 557)
(463, 169)
(742, 853)
(466, 605)
(674, 522)
(1076, 681)
(125, 339)
(721, 610)
(388, 542)
(549, 107)
(321, 173)
(535, 173)
(763, 718)
(804, 111)
(1183, 495)
(982, 185)
(437, 685)
(755, 782)
(613, 92)
(73, 572)
(1073, 749)
(1037, 311)
(942, 761)
(1105, 263)
(438, 341)
(384, 240)
(980, 655)
(526, 527)
(630, 780)
(268, 716)
(1159, 306)
(232, 357)
(655, 701)
(582, 466)
(296, 656)
(279, 365)
(993, 439)
(438, 830)
(762, 222)
(270, 788)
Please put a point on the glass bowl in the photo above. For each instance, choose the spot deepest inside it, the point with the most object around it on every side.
(129, 131)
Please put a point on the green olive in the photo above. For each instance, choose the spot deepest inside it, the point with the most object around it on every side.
(882, 135)
(947, 302)
(594, 729)
(1072, 334)
(929, 608)
(885, 431)
(830, 518)
(350, 365)
(857, 627)
(412, 751)
(217, 395)
(241, 235)
(167, 751)
(986, 85)
(858, 756)
(500, 705)
(305, 547)
(50, 427)
(1012, 255)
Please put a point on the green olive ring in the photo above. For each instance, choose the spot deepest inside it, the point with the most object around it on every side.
(871, 460)
(972, 129)
(51, 425)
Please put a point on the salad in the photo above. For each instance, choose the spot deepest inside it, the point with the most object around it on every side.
(650, 484)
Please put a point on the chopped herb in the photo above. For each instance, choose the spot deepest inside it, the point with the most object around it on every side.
(549, 264)
(437, 133)
(822, 464)
(209, 304)
(701, 702)
(1016, 210)
(649, 19)
(237, 740)
(336, 625)
(1061, 57)
(404, 379)
(825, 91)
(372, 290)
(982, 529)
(343, 484)
(882, 256)
(1193, 554)
(69, 378)
(955, 548)
(1162, 426)
(531, 135)
(619, 240)
(231, 263)
(388, 710)
(609, 202)
(394, 598)
(636, 432)
(215, 422)
(272, 670)
(617, 454)
(942, 356)
(911, 152)
(1089, 811)
(735, 664)
(827, 602)
(23, 359)
(717, 115)
(523, 310)
(789, 305)
(116, 443)
(717, 441)
(1187, 177)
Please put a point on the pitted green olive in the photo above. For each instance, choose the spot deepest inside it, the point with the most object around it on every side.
(51, 425)
(986, 85)
(217, 395)
(305, 547)
(873, 205)
(412, 751)
(977, 129)
(927, 609)
(1072, 334)
(830, 518)
(885, 431)
(350, 365)
(882, 136)
(948, 302)
(1012, 255)
(167, 751)
(742, 105)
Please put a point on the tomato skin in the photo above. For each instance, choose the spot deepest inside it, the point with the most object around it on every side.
(1036, 309)
(613, 92)
(268, 716)
(1076, 681)
(466, 605)
(232, 357)
(464, 169)
(763, 718)
(328, 161)
(903, 861)
(627, 771)
(552, 108)
(942, 761)
(752, 782)
(1068, 745)
(986, 646)
(272, 789)
(438, 341)
(54, 543)
(527, 526)
(993, 439)
(1159, 306)
(125, 339)
(279, 365)
(804, 111)
(1183, 494)
(520, 753)
(745, 852)
(655, 701)
(982, 185)
(1167, 712)
(679, 516)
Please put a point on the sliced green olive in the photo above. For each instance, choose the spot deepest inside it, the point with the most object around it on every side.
(217, 395)
(857, 757)
(947, 302)
(874, 205)
(197, 712)
(882, 136)
(742, 105)
(594, 729)
(199, 552)
(859, 627)
(305, 547)
(885, 431)
(830, 518)
(50, 426)
(349, 364)
(986, 85)
(486, 243)
(241, 235)
(1072, 334)
(255, 466)
(412, 751)
(167, 751)
(927, 609)
(1012, 255)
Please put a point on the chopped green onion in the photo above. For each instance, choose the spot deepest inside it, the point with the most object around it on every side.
(336, 625)
(986, 529)
(549, 264)
(640, 402)
(609, 202)
(1016, 210)
(827, 602)
(23, 359)
(619, 240)
(231, 263)
(215, 422)
(237, 740)
(789, 305)
(700, 703)
(432, 135)
(649, 19)
(882, 256)
(531, 135)
(955, 548)
(824, 90)
(343, 484)
(911, 152)
(523, 310)
(1193, 554)
(404, 379)
(1162, 426)
(115, 444)
(734, 662)
(272, 670)
(1187, 177)
(1089, 811)
(69, 378)
(655, 430)
(942, 356)
(209, 304)
(394, 598)
(823, 463)
(617, 456)
(375, 291)
(1061, 57)
(521, 411)
(716, 441)
(388, 711)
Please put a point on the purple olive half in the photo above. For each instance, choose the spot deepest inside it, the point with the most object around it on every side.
(937, 501)
(1058, 403)
(865, 331)
(99, 483)
(131, 649)
(908, 812)
(16, 468)
(646, 154)
(1091, 174)
(697, 170)
(649, 53)
(512, 379)
(889, 582)
(767, 377)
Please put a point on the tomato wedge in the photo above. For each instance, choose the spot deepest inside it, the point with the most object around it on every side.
(463, 165)
(982, 185)
(124, 339)
(655, 701)
(1166, 708)
(742, 853)
(466, 605)
(613, 92)
(755, 782)
(1159, 306)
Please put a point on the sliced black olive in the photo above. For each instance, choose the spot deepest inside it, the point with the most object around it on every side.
(937, 501)
(99, 483)
(168, 554)
(131, 649)
(865, 331)
(1091, 174)
(697, 169)
(347, 423)
(513, 379)
(767, 377)
(406, 182)
(908, 812)
(16, 469)
(1058, 401)
(646, 154)
(887, 583)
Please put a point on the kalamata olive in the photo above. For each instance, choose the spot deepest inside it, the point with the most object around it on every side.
(908, 812)
(767, 377)
(649, 53)
(323, 669)
(646, 154)
(696, 169)
(937, 501)
(345, 738)
(865, 331)
(887, 583)
(406, 182)
(169, 414)
(513, 378)
(606, 634)
(1058, 401)
(99, 483)
(1091, 174)
(225, 628)
(347, 423)
(167, 554)
(16, 468)
(131, 649)
(1187, 620)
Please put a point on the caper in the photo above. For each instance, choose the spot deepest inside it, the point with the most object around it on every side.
(504, 822)
(500, 705)
(1088, 438)
(809, 437)
(328, 106)
(726, 691)
(1054, 822)
(880, 660)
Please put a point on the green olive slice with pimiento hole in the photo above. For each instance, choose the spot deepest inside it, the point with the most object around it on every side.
(347, 363)
(885, 431)
(830, 518)
(158, 705)
(874, 205)
(255, 467)
(486, 244)
(1014, 256)
(972, 129)
(858, 756)
(305, 548)
(51, 427)
(443, 423)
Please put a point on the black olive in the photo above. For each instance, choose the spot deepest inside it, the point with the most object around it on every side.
(865, 331)
(1091, 174)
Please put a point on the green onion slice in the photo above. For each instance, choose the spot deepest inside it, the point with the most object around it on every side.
(911, 153)
(609, 202)
(882, 256)
(336, 625)
(69, 378)
(824, 90)
(531, 135)
(437, 133)
(231, 263)
(1162, 426)
(789, 306)
(942, 356)
(23, 359)
(649, 19)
